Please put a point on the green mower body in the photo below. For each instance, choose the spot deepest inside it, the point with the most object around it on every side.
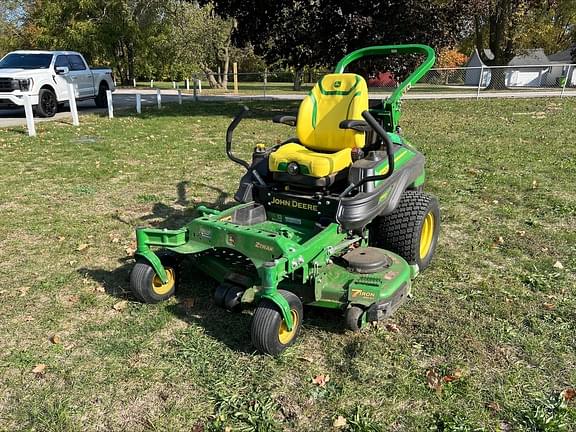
(352, 241)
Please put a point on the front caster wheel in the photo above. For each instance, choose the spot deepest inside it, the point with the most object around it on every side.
(228, 296)
(147, 286)
(353, 318)
(269, 332)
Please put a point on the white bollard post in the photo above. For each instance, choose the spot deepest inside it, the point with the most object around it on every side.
(29, 116)
(134, 82)
(199, 86)
(159, 98)
(174, 84)
(72, 102)
(151, 83)
(187, 84)
(179, 97)
(139, 103)
(110, 106)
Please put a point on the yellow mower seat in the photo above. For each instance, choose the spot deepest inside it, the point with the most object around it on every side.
(311, 163)
(324, 148)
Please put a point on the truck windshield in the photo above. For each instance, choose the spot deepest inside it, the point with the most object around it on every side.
(26, 61)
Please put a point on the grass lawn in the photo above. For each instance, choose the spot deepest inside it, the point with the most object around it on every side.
(493, 318)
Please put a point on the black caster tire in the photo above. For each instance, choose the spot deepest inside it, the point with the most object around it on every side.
(147, 286)
(411, 230)
(220, 294)
(353, 318)
(233, 299)
(268, 330)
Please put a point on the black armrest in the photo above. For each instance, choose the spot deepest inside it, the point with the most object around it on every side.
(284, 119)
(357, 125)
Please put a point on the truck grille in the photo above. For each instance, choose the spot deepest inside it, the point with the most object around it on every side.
(6, 85)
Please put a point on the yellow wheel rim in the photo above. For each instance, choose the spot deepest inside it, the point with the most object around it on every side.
(427, 235)
(285, 335)
(162, 289)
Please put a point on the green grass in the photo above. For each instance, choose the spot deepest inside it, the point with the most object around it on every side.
(492, 306)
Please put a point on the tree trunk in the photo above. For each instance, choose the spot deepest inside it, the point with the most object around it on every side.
(497, 79)
(212, 82)
(226, 64)
(298, 75)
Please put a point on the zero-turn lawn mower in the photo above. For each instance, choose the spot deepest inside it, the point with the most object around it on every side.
(334, 217)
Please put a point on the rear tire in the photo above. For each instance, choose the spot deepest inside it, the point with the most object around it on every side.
(101, 100)
(268, 330)
(47, 103)
(411, 230)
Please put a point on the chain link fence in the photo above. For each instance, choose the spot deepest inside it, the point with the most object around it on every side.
(462, 82)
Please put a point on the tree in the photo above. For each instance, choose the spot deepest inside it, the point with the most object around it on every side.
(200, 38)
(312, 33)
(507, 27)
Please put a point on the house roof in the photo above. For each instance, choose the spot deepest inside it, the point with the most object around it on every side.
(530, 57)
(563, 56)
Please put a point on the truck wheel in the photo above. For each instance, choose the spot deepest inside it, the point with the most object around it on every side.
(47, 103)
(100, 100)
(411, 230)
(147, 286)
(268, 330)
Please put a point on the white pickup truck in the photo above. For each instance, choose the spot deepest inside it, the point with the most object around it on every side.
(45, 75)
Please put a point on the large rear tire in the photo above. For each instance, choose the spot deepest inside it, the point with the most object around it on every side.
(411, 230)
(269, 332)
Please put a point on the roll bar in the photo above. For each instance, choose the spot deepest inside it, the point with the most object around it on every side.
(392, 104)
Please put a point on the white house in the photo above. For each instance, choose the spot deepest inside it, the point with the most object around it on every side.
(563, 68)
(529, 69)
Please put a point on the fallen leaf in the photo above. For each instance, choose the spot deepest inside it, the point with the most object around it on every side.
(558, 265)
(99, 289)
(23, 291)
(505, 426)
(340, 422)
(321, 380)
(73, 299)
(521, 233)
(433, 380)
(493, 406)
(568, 394)
(130, 250)
(61, 239)
(198, 427)
(120, 306)
(82, 247)
(188, 303)
(55, 339)
(73, 262)
(39, 369)
(500, 240)
(534, 184)
(549, 306)
(453, 377)
(393, 328)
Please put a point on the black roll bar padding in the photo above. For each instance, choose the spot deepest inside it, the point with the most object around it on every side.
(229, 134)
(387, 141)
